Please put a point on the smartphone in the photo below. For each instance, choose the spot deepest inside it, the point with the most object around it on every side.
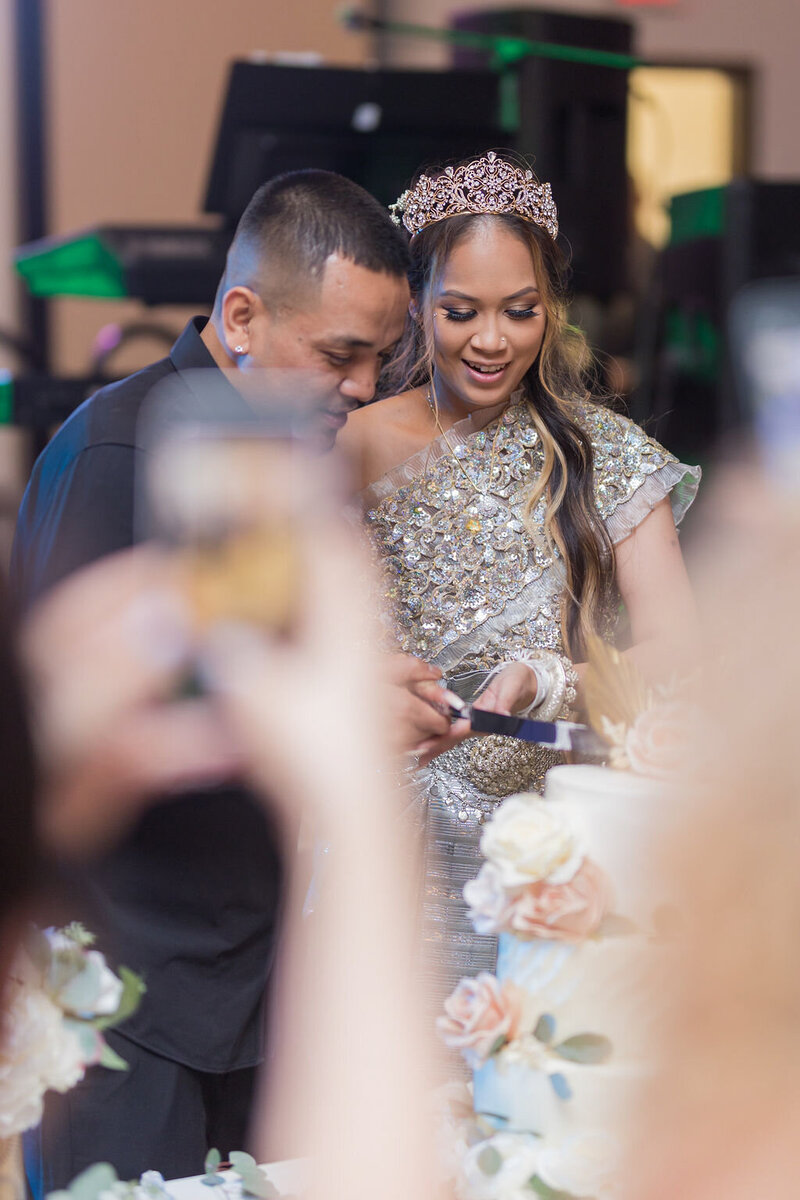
(229, 482)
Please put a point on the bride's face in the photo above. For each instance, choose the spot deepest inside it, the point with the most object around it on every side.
(489, 321)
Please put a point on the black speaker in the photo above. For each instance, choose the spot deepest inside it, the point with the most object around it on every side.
(377, 127)
(722, 239)
(573, 122)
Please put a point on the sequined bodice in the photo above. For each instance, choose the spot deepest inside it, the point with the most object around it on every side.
(465, 581)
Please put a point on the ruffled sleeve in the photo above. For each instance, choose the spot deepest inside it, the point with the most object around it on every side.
(632, 472)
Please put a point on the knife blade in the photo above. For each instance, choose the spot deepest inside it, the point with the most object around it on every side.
(558, 735)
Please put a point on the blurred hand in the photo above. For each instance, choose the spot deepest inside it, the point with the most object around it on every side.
(510, 690)
(105, 653)
(308, 708)
(416, 704)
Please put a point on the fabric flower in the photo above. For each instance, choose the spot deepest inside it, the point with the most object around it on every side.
(656, 744)
(489, 901)
(584, 1165)
(479, 1013)
(500, 1168)
(565, 912)
(527, 841)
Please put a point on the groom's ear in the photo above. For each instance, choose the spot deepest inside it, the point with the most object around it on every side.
(413, 309)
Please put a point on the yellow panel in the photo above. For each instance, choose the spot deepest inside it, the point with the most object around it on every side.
(681, 137)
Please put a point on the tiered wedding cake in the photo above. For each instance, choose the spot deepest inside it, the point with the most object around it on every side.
(561, 1037)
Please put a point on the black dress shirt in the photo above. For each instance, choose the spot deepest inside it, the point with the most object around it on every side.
(190, 899)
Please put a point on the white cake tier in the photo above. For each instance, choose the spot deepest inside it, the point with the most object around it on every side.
(519, 1098)
(619, 818)
(614, 986)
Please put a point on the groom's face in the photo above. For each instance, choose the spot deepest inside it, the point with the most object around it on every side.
(343, 330)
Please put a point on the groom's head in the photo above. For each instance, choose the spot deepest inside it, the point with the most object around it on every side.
(316, 278)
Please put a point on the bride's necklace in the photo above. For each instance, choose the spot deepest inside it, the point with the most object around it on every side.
(454, 456)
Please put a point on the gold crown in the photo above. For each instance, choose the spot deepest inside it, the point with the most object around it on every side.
(487, 185)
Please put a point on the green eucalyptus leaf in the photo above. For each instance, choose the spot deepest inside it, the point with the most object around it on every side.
(100, 1177)
(545, 1029)
(212, 1161)
(542, 1189)
(560, 1086)
(585, 1048)
(240, 1161)
(490, 1160)
(498, 1044)
(109, 1058)
(254, 1180)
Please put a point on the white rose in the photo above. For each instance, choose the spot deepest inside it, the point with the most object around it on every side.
(38, 1053)
(584, 1165)
(488, 901)
(527, 841)
(109, 991)
(84, 985)
(500, 1168)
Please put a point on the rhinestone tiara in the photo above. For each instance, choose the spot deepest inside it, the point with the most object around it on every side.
(486, 185)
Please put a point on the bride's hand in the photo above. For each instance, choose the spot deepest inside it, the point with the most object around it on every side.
(509, 691)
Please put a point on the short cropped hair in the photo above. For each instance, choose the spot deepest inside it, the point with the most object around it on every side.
(295, 222)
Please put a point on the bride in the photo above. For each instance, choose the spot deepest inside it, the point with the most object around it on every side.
(512, 512)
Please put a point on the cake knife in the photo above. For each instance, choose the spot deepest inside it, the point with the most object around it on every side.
(558, 735)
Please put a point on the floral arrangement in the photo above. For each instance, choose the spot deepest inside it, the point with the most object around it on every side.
(536, 881)
(484, 1018)
(59, 998)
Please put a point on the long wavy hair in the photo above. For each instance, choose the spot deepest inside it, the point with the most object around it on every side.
(554, 384)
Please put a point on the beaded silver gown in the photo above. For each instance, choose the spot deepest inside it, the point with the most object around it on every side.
(466, 587)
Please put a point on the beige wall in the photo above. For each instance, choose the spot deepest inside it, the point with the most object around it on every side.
(135, 88)
(764, 33)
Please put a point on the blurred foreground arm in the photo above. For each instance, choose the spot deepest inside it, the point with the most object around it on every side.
(348, 1086)
(105, 653)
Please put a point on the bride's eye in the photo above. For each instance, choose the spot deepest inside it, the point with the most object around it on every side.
(459, 314)
(521, 314)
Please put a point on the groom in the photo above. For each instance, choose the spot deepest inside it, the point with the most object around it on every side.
(316, 280)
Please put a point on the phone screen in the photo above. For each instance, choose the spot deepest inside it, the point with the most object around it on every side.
(227, 481)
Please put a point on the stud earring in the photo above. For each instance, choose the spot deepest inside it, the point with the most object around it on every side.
(238, 349)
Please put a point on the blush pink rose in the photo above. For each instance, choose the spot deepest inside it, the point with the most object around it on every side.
(480, 1012)
(658, 741)
(566, 912)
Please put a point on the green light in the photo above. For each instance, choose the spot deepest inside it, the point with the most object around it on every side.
(6, 397)
(78, 266)
(697, 214)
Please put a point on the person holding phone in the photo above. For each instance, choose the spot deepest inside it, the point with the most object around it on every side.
(315, 281)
